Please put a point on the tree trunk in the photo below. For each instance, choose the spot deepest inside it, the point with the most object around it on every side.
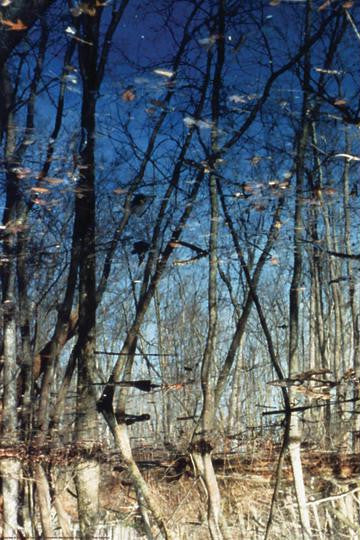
(10, 471)
(355, 318)
(147, 500)
(10, 467)
(44, 500)
(295, 291)
(202, 443)
(87, 474)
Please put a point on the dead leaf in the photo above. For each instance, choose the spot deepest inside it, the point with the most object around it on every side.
(324, 5)
(328, 71)
(128, 95)
(120, 191)
(275, 3)
(54, 181)
(348, 156)
(87, 9)
(340, 102)
(347, 5)
(349, 375)
(17, 26)
(237, 99)
(330, 191)
(273, 183)
(164, 72)
(283, 185)
(84, 7)
(39, 189)
(70, 30)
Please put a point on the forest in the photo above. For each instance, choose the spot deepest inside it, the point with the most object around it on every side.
(180, 309)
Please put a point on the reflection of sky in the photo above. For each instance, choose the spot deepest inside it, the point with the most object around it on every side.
(257, 42)
(259, 39)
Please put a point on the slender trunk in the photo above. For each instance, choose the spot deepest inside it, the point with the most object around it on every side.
(10, 467)
(59, 480)
(322, 333)
(147, 500)
(87, 474)
(235, 394)
(295, 288)
(44, 500)
(166, 409)
(92, 60)
(27, 508)
(355, 318)
(333, 344)
(202, 443)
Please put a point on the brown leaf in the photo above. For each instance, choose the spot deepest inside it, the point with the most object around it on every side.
(330, 191)
(128, 95)
(38, 189)
(54, 181)
(324, 5)
(87, 9)
(340, 102)
(17, 26)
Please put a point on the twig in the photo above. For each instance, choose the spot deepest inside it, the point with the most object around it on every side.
(305, 407)
(326, 499)
(351, 21)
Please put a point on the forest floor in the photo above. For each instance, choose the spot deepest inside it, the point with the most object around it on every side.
(246, 482)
